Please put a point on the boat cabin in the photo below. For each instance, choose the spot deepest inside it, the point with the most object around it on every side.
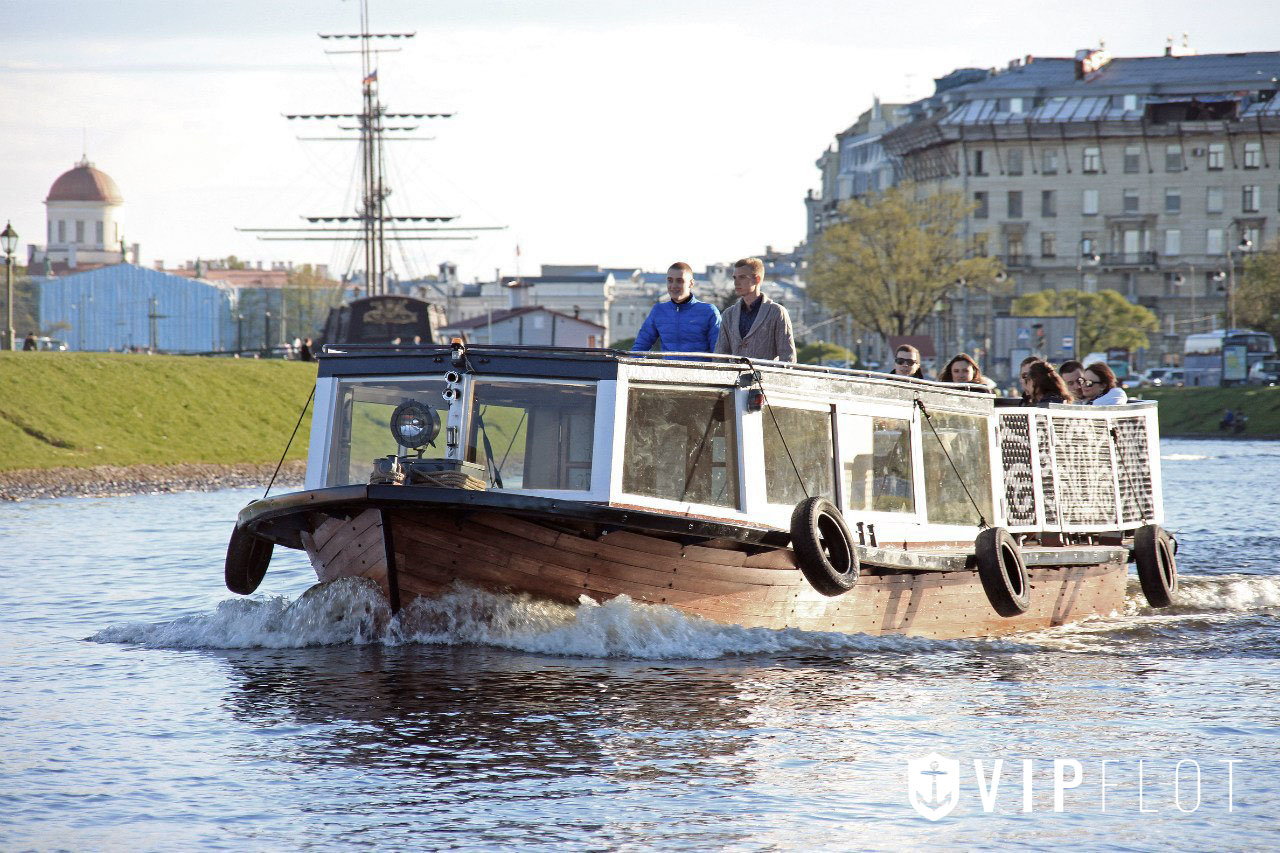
(720, 438)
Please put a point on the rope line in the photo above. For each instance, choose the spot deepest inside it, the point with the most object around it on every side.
(305, 406)
(755, 375)
(982, 521)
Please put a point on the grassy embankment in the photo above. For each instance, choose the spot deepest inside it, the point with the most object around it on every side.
(1196, 411)
(82, 409)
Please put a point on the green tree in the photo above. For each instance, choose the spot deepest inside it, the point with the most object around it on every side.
(1104, 320)
(894, 256)
(822, 352)
(1257, 299)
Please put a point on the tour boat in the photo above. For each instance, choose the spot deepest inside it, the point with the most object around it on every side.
(755, 493)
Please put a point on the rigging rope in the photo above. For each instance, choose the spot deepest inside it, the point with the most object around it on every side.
(305, 406)
(982, 521)
(756, 377)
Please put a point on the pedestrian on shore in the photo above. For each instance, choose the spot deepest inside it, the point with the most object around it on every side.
(304, 351)
(683, 323)
(755, 326)
(29, 342)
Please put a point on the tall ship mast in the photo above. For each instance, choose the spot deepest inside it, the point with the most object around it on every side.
(372, 223)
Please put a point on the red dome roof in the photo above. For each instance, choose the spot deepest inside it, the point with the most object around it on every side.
(85, 183)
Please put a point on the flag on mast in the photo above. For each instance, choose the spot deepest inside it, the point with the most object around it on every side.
(371, 77)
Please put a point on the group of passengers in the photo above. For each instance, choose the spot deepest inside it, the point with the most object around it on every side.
(754, 326)
(1072, 382)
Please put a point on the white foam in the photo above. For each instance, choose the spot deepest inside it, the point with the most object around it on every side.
(1227, 593)
(354, 612)
(1183, 457)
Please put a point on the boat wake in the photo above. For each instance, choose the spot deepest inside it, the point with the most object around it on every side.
(353, 612)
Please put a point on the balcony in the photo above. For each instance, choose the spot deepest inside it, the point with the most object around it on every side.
(1015, 261)
(1129, 259)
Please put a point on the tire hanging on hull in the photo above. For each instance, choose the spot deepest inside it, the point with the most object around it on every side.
(1002, 571)
(247, 559)
(1153, 551)
(824, 547)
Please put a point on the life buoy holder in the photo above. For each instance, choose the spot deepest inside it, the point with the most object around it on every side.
(1153, 551)
(1002, 571)
(247, 559)
(824, 546)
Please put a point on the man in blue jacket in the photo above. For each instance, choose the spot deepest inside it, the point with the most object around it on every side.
(684, 324)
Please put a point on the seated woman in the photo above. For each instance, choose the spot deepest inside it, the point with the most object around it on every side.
(1099, 386)
(964, 370)
(1043, 385)
(1024, 378)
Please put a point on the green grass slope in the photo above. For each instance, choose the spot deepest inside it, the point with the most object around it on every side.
(1196, 411)
(80, 409)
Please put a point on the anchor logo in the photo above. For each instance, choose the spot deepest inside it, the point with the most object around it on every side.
(933, 785)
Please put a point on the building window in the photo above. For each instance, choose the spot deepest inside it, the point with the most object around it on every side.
(980, 198)
(1132, 158)
(1213, 241)
(1089, 206)
(1013, 249)
(979, 163)
(1130, 103)
(1173, 158)
(1015, 204)
(1173, 242)
(1048, 203)
(1253, 234)
(1252, 155)
(50, 232)
(1091, 161)
(1217, 156)
(1015, 105)
(100, 234)
(1015, 162)
(1250, 198)
(1049, 162)
(1213, 200)
(979, 245)
(62, 231)
(1048, 244)
(1130, 201)
(1173, 200)
(80, 231)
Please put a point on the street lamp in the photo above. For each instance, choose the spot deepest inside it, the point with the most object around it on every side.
(9, 242)
(266, 335)
(1243, 246)
(1087, 258)
(239, 334)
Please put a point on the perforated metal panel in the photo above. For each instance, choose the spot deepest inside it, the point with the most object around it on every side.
(1047, 489)
(1014, 434)
(1133, 460)
(1082, 459)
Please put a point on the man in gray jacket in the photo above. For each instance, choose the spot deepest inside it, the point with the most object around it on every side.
(755, 325)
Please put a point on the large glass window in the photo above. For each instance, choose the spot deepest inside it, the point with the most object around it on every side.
(680, 446)
(362, 431)
(947, 495)
(798, 455)
(533, 435)
(877, 464)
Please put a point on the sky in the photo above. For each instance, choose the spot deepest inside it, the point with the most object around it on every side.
(624, 134)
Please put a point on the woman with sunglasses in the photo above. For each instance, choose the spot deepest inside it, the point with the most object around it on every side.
(1098, 386)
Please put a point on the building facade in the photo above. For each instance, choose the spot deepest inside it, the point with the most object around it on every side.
(83, 224)
(1152, 176)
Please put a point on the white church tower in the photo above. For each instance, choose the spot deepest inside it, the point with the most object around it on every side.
(84, 226)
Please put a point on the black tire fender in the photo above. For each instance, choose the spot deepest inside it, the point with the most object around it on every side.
(1002, 571)
(247, 559)
(824, 546)
(1153, 551)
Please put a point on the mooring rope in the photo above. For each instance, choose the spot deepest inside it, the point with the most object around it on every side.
(755, 375)
(301, 414)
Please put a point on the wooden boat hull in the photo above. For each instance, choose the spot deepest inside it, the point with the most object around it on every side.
(412, 552)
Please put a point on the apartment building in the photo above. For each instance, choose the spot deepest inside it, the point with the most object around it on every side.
(1153, 176)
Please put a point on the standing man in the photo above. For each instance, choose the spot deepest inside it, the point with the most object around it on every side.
(685, 324)
(755, 325)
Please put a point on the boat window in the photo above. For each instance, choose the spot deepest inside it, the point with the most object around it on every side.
(797, 455)
(680, 446)
(877, 464)
(533, 435)
(947, 499)
(362, 431)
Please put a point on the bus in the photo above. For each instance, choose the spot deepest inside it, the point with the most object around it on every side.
(1225, 356)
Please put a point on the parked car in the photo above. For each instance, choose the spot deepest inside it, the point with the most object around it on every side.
(1163, 377)
(1265, 372)
(51, 345)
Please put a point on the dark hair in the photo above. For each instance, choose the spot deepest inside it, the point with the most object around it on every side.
(1070, 366)
(945, 375)
(1045, 382)
(918, 373)
(681, 265)
(1031, 359)
(1104, 372)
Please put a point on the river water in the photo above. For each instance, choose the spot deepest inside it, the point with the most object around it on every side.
(145, 707)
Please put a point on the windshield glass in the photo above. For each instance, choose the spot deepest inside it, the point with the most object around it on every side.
(533, 435)
(362, 429)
